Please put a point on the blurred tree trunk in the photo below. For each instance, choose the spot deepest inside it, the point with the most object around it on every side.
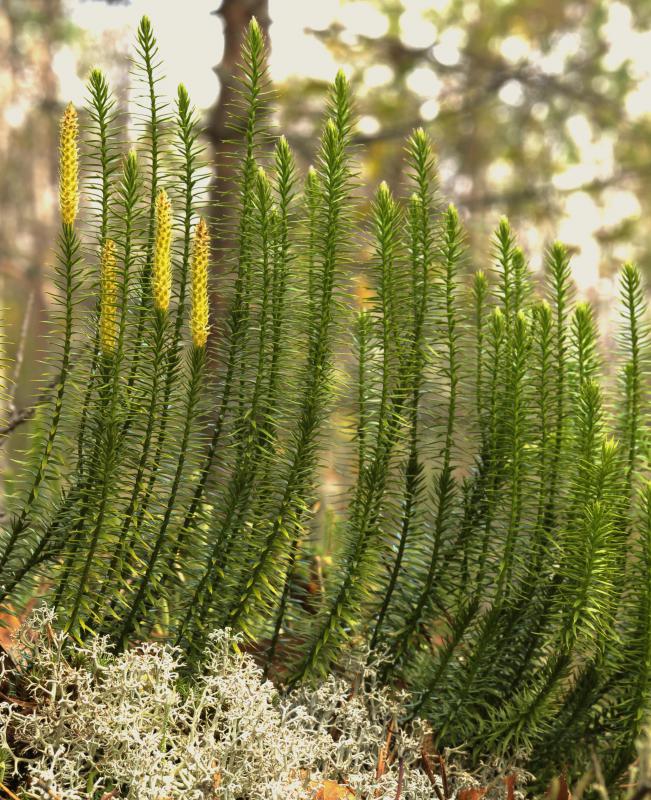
(236, 15)
(28, 161)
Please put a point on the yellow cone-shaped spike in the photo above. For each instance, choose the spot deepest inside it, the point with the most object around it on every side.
(69, 166)
(199, 318)
(162, 268)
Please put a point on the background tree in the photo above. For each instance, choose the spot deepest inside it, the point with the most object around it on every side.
(537, 111)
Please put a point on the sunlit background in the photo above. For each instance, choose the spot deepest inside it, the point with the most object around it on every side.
(541, 111)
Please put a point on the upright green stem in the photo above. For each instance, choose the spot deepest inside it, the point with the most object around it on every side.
(197, 363)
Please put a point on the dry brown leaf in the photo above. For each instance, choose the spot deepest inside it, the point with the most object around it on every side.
(331, 790)
(472, 794)
(559, 790)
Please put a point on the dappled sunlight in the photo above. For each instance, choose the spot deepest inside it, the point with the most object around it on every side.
(297, 53)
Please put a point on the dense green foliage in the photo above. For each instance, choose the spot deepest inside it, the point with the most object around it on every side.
(496, 538)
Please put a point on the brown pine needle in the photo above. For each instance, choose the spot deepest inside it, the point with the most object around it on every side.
(8, 792)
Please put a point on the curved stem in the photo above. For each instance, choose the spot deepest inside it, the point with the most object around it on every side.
(69, 248)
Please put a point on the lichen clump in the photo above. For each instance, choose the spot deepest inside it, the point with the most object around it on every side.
(97, 722)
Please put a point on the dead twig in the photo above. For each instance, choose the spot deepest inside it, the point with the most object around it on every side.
(444, 778)
(22, 415)
(429, 771)
(401, 775)
(8, 792)
(384, 751)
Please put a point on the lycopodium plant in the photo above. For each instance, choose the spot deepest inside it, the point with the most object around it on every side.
(494, 545)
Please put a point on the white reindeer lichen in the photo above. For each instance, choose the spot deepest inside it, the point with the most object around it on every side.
(127, 726)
